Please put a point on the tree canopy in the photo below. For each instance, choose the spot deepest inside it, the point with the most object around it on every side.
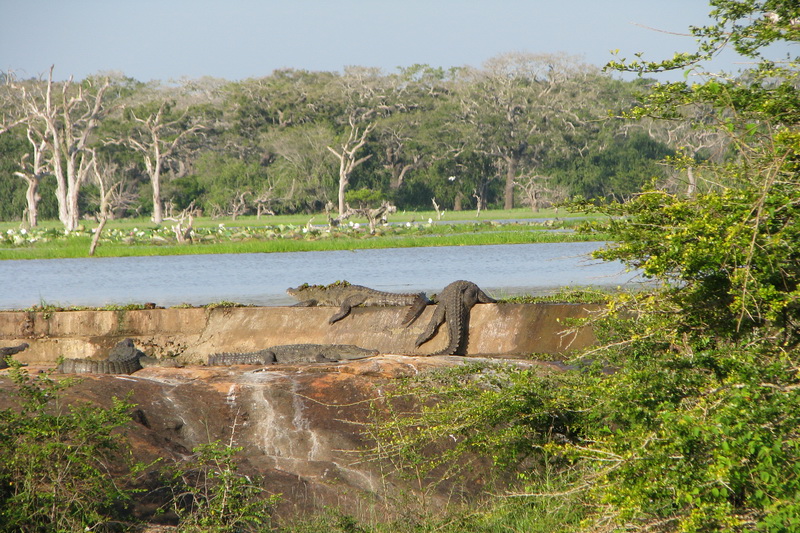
(522, 126)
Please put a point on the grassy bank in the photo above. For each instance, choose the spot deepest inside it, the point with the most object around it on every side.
(283, 234)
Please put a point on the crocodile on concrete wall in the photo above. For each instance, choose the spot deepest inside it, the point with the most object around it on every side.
(347, 296)
(454, 305)
(293, 353)
(124, 358)
(9, 351)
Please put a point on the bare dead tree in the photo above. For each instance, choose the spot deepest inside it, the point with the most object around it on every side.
(263, 202)
(478, 202)
(184, 219)
(70, 116)
(375, 215)
(439, 212)
(537, 191)
(238, 204)
(115, 191)
(33, 172)
(12, 109)
(397, 161)
(348, 161)
(156, 140)
(111, 183)
(334, 222)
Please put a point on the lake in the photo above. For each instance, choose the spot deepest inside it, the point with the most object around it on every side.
(262, 279)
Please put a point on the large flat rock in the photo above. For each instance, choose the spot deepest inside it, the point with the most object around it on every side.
(304, 429)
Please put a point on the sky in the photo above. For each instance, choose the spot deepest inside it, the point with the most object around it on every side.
(239, 39)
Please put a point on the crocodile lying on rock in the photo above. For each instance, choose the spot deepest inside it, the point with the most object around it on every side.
(124, 358)
(454, 305)
(347, 296)
(293, 353)
(9, 351)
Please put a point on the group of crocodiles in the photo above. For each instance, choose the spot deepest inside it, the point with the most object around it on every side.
(453, 306)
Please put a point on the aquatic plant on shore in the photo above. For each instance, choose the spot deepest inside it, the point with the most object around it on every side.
(51, 243)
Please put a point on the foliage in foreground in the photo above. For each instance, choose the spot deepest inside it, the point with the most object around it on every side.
(687, 417)
(209, 493)
(55, 459)
(63, 467)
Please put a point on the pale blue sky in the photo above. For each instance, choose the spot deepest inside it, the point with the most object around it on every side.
(238, 39)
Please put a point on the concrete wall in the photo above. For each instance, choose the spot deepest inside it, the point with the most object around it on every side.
(193, 334)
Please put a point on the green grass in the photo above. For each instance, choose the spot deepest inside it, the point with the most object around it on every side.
(128, 237)
(79, 246)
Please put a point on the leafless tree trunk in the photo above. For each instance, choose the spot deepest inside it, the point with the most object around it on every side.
(478, 203)
(439, 212)
(263, 202)
(183, 233)
(374, 215)
(238, 204)
(155, 149)
(33, 173)
(69, 118)
(97, 232)
(113, 187)
(537, 193)
(348, 161)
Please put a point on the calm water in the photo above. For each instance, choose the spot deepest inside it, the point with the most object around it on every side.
(262, 279)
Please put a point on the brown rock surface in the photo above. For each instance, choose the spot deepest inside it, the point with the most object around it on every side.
(300, 426)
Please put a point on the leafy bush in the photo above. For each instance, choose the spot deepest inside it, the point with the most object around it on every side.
(687, 416)
(209, 493)
(55, 459)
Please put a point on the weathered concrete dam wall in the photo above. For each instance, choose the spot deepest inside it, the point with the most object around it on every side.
(194, 333)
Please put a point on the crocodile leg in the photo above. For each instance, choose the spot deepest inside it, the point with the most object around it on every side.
(346, 307)
(306, 303)
(414, 311)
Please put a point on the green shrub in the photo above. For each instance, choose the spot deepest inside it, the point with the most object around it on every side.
(209, 494)
(56, 459)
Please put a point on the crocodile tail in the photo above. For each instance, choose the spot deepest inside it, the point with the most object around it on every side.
(89, 366)
(249, 358)
(458, 330)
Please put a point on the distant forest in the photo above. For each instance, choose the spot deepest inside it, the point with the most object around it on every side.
(523, 129)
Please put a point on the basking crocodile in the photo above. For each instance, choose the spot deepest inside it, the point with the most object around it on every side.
(292, 353)
(9, 351)
(124, 358)
(454, 305)
(347, 296)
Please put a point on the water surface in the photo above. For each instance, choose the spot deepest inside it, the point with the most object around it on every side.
(262, 279)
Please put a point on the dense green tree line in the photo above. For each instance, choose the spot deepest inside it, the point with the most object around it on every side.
(522, 128)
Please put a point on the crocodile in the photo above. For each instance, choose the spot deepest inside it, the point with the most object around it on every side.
(9, 351)
(124, 358)
(347, 296)
(454, 305)
(292, 353)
